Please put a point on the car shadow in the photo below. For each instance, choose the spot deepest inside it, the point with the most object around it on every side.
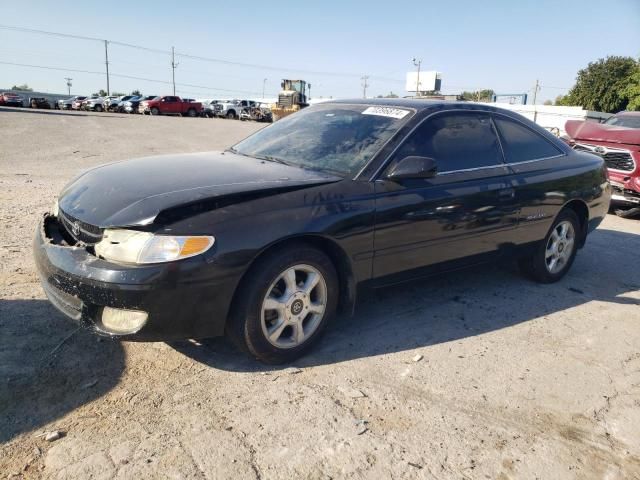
(455, 306)
(49, 366)
(60, 112)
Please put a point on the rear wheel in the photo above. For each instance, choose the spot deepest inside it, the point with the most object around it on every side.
(554, 256)
(284, 304)
(191, 113)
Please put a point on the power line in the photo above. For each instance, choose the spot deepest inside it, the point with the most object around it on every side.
(131, 77)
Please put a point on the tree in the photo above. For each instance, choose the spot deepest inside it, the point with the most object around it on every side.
(478, 96)
(22, 88)
(603, 85)
(101, 93)
(118, 94)
(136, 93)
(548, 102)
(632, 91)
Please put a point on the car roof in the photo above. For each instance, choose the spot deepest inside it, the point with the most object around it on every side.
(627, 114)
(415, 103)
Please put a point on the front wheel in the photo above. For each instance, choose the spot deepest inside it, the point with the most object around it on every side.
(231, 115)
(284, 304)
(627, 212)
(155, 111)
(554, 256)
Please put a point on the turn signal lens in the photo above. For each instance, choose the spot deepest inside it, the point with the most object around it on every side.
(130, 246)
(194, 245)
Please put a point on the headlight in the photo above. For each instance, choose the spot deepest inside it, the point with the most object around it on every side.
(131, 246)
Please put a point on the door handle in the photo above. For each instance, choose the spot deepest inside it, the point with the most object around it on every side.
(506, 193)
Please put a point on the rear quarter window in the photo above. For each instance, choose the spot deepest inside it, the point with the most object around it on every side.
(521, 144)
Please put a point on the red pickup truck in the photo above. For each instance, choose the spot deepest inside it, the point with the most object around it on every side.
(170, 105)
(617, 141)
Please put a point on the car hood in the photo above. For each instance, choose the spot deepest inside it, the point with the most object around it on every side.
(582, 130)
(134, 192)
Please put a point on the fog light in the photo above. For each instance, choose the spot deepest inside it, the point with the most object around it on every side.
(118, 320)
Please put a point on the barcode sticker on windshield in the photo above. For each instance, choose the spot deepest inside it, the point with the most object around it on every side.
(386, 112)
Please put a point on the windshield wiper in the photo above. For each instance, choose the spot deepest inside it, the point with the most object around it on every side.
(269, 158)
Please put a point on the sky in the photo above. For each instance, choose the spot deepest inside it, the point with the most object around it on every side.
(505, 45)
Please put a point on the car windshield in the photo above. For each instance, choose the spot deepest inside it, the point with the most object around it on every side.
(628, 121)
(332, 137)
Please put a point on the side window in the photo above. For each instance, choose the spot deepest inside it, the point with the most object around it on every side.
(521, 144)
(456, 141)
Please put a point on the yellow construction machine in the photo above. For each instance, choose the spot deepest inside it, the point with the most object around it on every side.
(292, 98)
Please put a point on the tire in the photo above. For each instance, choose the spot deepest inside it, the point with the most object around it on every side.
(231, 115)
(560, 244)
(191, 113)
(299, 316)
(98, 108)
(34, 104)
(627, 212)
(155, 111)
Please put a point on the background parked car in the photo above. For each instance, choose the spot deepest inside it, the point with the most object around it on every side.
(108, 99)
(117, 104)
(9, 99)
(131, 105)
(209, 108)
(39, 102)
(80, 102)
(617, 141)
(94, 104)
(228, 109)
(68, 103)
(170, 105)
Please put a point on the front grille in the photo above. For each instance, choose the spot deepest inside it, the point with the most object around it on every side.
(615, 158)
(79, 230)
(285, 101)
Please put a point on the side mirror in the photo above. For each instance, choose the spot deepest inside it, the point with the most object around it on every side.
(413, 167)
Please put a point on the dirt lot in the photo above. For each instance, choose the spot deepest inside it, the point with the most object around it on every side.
(517, 380)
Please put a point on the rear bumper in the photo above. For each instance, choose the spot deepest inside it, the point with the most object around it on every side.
(185, 299)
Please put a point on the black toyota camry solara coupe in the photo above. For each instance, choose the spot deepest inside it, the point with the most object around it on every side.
(265, 241)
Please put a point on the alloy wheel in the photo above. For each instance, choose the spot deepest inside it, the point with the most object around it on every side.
(294, 306)
(560, 246)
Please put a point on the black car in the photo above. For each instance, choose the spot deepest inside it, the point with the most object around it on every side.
(265, 241)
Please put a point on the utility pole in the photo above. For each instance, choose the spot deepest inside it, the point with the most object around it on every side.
(173, 68)
(535, 95)
(365, 85)
(106, 63)
(68, 84)
(417, 62)
(535, 91)
(264, 82)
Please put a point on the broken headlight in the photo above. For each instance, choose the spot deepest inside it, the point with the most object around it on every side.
(131, 246)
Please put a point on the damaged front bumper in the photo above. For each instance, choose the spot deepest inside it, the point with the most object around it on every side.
(189, 298)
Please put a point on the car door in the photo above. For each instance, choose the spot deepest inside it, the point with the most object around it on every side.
(169, 104)
(530, 156)
(465, 210)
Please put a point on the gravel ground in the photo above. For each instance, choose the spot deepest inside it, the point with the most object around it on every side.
(474, 374)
